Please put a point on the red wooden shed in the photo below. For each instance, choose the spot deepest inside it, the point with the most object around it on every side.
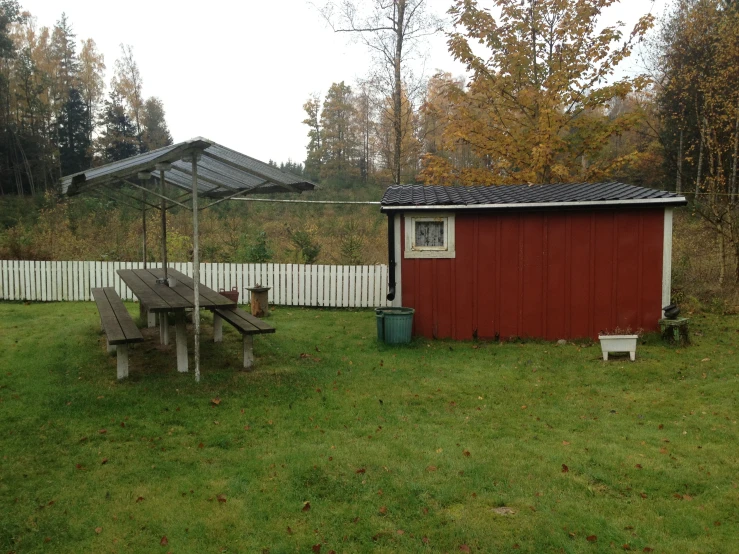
(540, 261)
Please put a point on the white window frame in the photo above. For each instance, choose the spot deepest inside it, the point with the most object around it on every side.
(413, 251)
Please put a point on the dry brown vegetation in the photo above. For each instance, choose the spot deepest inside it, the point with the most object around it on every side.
(91, 229)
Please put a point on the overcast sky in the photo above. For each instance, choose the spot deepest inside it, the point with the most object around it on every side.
(239, 71)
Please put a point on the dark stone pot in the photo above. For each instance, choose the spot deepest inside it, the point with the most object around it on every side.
(672, 311)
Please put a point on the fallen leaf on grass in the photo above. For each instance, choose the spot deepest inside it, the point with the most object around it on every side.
(317, 548)
(565, 443)
(140, 499)
(464, 548)
(648, 549)
(467, 453)
(361, 470)
(524, 407)
(201, 445)
(401, 532)
(383, 510)
(626, 547)
(504, 511)
(306, 506)
(565, 469)
(164, 541)
(221, 498)
(216, 401)
(643, 494)
(431, 468)
(706, 360)
(102, 431)
(638, 466)
(661, 426)
(425, 540)
(105, 461)
(591, 538)
(98, 530)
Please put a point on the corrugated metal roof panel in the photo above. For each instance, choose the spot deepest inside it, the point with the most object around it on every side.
(223, 171)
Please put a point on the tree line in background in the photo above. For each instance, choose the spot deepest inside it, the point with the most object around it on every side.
(56, 115)
(545, 101)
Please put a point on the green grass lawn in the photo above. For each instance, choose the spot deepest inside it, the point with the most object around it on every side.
(336, 443)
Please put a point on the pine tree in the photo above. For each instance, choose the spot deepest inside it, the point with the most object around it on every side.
(118, 139)
(340, 144)
(74, 141)
(155, 132)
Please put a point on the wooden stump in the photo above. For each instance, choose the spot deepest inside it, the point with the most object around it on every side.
(259, 301)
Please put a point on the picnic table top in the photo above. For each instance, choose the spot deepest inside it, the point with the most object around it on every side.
(157, 297)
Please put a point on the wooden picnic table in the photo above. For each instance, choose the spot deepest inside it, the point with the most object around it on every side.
(161, 299)
(158, 297)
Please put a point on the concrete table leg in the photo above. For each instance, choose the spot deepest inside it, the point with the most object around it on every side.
(217, 328)
(122, 361)
(111, 347)
(181, 339)
(248, 352)
(164, 328)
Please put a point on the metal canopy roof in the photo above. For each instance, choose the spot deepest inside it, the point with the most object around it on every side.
(222, 172)
(414, 197)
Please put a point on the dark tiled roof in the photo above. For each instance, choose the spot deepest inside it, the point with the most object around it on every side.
(511, 196)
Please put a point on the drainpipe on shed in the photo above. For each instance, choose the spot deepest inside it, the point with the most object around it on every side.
(391, 256)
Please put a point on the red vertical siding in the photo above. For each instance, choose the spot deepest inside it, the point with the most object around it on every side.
(541, 274)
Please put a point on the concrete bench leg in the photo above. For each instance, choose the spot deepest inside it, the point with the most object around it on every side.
(164, 328)
(181, 339)
(217, 328)
(248, 352)
(151, 320)
(122, 361)
(605, 356)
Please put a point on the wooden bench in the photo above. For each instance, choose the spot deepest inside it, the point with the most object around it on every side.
(244, 323)
(118, 325)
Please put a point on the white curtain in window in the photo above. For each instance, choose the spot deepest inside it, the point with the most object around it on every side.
(429, 233)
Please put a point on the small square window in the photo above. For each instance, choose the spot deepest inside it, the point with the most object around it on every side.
(429, 236)
(430, 233)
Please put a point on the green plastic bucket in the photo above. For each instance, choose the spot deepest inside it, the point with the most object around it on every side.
(394, 325)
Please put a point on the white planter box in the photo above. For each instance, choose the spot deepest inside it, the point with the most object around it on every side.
(618, 343)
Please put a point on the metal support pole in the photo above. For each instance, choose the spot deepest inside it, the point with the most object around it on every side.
(143, 177)
(162, 167)
(143, 223)
(196, 262)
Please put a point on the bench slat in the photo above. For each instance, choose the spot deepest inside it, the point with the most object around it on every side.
(128, 325)
(263, 326)
(117, 322)
(108, 318)
(244, 322)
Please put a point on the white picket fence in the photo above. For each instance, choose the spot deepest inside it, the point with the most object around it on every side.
(337, 286)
